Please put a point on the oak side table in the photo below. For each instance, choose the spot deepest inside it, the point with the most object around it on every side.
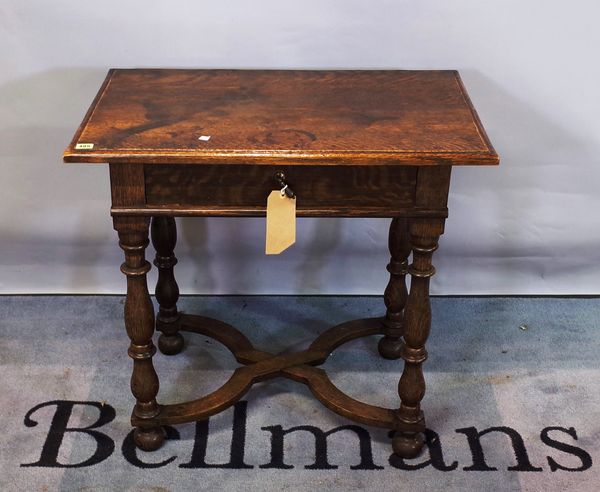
(216, 143)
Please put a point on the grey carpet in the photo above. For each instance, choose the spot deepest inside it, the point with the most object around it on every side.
(66, 356)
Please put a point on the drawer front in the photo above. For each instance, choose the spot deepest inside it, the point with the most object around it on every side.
(343, 190)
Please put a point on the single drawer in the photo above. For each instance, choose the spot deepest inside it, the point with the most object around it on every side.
(320, 190)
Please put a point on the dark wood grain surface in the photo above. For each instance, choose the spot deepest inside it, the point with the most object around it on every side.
(270, 116)
(386, 188)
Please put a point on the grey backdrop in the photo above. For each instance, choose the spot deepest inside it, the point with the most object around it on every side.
(531, 67)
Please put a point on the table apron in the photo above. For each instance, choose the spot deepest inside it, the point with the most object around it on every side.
(229, 190)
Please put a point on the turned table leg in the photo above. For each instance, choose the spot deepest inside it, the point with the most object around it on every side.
(139, 323)
(395, 293)
(164, 237)
(424, 235)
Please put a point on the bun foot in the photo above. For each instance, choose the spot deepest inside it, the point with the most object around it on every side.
(149, 439)
(170, 344)
(407, 445)
(390, 348)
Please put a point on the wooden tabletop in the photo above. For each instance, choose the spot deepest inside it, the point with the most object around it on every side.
(281, 116)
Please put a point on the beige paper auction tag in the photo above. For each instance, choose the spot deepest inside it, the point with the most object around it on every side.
(281, 223)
